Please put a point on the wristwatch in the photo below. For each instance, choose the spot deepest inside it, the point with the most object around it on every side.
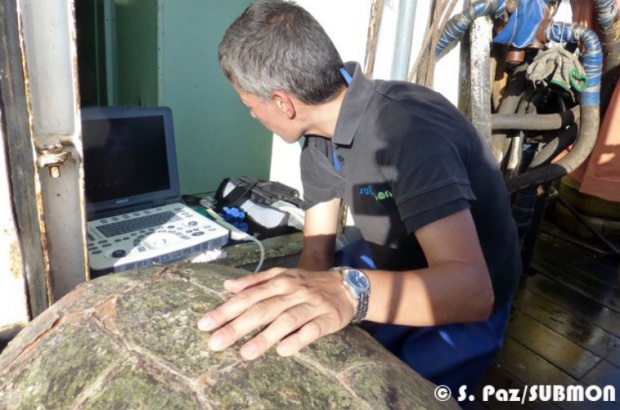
(358, 285)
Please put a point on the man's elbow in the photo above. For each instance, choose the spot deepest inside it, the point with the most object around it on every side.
(485, 300)
(485, 307)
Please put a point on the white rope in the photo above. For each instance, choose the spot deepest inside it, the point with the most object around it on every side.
(424, 66)
(376, 12)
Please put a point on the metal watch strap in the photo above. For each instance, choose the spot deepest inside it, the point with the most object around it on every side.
(362, 301)
(362, 308)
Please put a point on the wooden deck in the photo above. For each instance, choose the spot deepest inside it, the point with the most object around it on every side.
(564, 328)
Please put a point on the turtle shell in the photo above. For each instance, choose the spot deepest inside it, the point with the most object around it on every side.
(130, 341)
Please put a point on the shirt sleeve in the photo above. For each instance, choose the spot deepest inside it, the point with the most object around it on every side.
(320, 180)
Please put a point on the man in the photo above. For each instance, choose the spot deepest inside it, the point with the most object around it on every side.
(421, 185)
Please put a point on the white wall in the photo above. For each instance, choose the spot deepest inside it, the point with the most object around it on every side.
(346, 22)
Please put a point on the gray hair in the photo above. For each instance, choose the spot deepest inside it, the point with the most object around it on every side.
(277, 45)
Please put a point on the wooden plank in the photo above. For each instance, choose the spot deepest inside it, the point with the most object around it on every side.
(475, 405)
(578, 330)
(590, 244)
(575, 302)
(553, 253)
(584, 268)
(604, 374)
(596, 291)
(614, 357)
(602, 271)
(498, 378)
(531, 369)
(552, 346)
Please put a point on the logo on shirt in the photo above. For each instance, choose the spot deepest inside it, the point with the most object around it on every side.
(379, 196)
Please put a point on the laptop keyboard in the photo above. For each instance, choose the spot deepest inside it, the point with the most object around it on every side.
(136, 224)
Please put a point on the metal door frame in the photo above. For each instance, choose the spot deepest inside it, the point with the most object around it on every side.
(40, 130)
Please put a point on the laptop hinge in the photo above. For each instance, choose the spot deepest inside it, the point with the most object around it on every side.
(168, 201)
(160, 202)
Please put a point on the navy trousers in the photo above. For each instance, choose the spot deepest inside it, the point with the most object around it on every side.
(452, 355)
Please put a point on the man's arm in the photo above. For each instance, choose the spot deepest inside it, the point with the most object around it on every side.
(455, 288)
(297, 306)
(320, 229)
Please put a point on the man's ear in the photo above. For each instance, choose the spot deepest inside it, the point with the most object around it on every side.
(284, 102)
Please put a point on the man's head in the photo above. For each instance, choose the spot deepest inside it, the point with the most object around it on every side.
(278, 46)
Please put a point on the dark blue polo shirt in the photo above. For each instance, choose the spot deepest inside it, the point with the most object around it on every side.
(408, 157)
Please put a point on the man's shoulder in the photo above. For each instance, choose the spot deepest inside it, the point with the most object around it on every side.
(409, 92)
(403, 110)
(399, 102)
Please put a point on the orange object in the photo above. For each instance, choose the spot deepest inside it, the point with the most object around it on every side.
(599, 175)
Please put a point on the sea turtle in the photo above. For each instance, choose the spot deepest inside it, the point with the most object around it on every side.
(130, 341)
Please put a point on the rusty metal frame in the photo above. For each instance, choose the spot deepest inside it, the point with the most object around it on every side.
(39, 107)
(14, 312)
(23, 174)
(49, 34)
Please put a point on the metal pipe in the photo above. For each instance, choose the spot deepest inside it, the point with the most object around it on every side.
(49, 42)
(554, 147)
(583, 146)
(535, 122)
(608, 19)
(513, 93)
(404, 39)
(480, 72)
(514, 162)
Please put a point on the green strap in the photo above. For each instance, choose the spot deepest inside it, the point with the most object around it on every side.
(562, 84)
(578, 81)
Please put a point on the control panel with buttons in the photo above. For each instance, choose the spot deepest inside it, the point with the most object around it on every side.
(145, 238)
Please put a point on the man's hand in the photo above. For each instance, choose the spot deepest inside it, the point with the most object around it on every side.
(296, 306)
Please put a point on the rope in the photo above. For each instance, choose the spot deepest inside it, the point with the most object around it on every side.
(376, 12)
(424, 66)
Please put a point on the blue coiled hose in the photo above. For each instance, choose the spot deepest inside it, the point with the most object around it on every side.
(457, 25)
(606, 13)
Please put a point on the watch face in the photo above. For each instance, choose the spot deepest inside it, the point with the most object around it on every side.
(358, 279)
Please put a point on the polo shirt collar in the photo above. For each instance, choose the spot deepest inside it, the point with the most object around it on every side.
(354, 104)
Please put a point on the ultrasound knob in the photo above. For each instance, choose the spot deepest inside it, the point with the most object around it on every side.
(119, 253)
(156, 241)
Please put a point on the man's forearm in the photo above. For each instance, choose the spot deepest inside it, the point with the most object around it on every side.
(450, 293)
(315, 260)
(320, 229)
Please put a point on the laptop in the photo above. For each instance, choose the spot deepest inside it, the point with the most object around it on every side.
(133, 203)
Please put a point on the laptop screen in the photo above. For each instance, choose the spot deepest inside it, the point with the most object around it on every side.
(129, 158)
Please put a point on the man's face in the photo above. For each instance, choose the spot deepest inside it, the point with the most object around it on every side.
(270, 115)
